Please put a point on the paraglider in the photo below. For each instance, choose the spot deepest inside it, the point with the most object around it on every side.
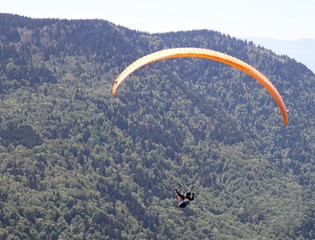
(207, 54)
(184, 198)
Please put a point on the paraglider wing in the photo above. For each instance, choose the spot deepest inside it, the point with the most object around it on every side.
(208, 54)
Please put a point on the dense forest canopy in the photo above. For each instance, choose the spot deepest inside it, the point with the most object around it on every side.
(77, 163)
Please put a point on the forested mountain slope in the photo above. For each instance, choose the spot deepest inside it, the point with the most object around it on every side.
(77, 163)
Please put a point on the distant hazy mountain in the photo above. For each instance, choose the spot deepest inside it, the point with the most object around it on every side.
(302, 50)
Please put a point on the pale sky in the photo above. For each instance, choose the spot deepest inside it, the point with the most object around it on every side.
(281, 19)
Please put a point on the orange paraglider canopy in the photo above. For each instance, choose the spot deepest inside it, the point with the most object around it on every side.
(208, 54)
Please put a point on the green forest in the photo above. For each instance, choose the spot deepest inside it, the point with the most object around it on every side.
(78, 163)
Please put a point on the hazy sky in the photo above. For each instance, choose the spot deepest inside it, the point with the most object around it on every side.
(281, 19)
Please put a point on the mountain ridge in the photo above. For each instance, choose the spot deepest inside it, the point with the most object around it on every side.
(303, 50)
